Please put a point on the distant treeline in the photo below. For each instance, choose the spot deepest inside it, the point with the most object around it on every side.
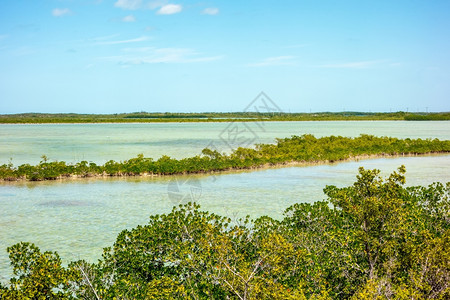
(143, 117)
(428, 117)
(305, 148)
(165, 116)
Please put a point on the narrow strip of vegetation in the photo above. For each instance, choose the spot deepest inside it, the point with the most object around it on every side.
(145, 117)
(305, 148)
(374, 239)
(428, 117)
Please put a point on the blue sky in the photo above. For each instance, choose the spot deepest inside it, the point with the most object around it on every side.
(100, 56)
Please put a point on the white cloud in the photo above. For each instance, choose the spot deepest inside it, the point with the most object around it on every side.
(59, 12)
(169, 9)
(157, 3)
(139, 39)
(128, 4)
(152, 55)
(129, 18)
(163, 6)
(274, 61)
(352, 65)
(210, 11)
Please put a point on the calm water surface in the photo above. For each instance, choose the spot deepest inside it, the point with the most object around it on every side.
(78, 218)
(101, 142)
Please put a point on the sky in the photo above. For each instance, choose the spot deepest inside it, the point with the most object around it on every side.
(113, 56)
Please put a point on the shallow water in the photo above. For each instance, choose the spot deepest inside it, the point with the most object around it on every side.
(79, 217)
(25, 143)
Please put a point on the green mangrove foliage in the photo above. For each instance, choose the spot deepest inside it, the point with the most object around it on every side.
(375, 239)
(305, 148)
(428, 117)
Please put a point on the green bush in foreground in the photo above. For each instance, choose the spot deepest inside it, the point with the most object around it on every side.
(305, 148)
(374, 239)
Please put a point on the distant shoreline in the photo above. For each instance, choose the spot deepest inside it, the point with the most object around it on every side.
(178, 122)
(144, 117)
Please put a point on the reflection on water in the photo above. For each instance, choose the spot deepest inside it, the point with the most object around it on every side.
(79, 217)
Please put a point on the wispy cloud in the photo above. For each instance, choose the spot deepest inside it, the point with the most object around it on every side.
(170, 9)
(353, 65)
(163, 6)
(128, 4)
(129, 18)
(3, 36)
(153, 55)
(210, 11)
(156, 3)
(136, 40)
(59, 12)
(275, 61)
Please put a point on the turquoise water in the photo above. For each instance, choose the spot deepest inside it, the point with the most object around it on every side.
(79, 217)
(101, 142)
